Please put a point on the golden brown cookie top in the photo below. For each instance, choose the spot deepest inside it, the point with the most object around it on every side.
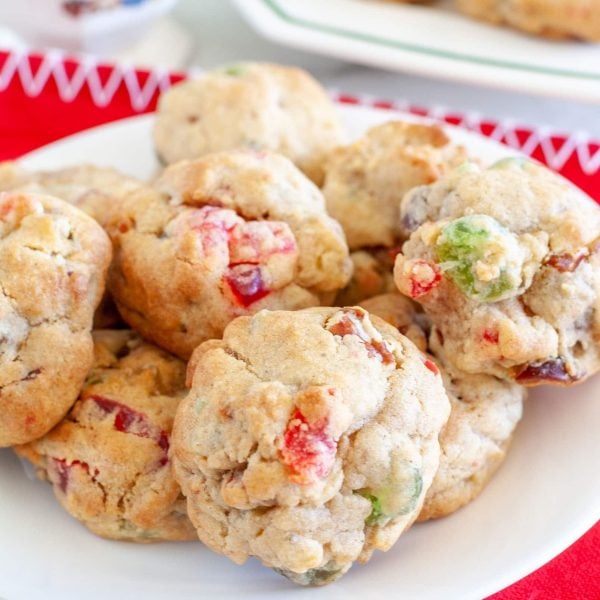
(108, 459)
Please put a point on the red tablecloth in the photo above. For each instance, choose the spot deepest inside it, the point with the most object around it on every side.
(44, 98)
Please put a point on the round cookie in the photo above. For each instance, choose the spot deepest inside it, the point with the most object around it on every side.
(506, 263)
(223, 236)
(372, 274)
(308, 439)
(94, 190)
(365, 181)
(484, 413)
(53, 264)
(578, 19)
(249, 105)
(108, 460)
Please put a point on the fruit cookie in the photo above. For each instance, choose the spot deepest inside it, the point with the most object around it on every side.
(53, 263)
(506, 263)
(552, 18)
(249, 105)
(308, 439)
(225, 235)
(94, 190)
(365, 181)
(484, 413)
(372, 274)
(108, 459)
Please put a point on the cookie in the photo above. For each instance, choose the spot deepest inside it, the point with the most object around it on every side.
(578, 19)
(365, 181)
(95, 190)
(506, 263)
(256, 106)
(226, 235)
(308, 439)
(484, 413)
(108, 460)
(53, 263)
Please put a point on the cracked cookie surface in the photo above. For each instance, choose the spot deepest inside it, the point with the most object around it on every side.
(53, 263)
(506, 263)
(308, 439)
(108, 459)
(226, 235)
(365, 181)
(484, 413)
(249, 105)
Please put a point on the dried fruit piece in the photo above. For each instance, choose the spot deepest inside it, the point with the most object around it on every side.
(60, 469)
(350, 322)
(551, 371)
(482, 257)
(308, 449)
(567, 262)
(136, 423)
(246, 283)
(422, 276)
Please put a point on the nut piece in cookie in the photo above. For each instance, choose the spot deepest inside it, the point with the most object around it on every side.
(249, 105)
(226, 235)
(484, 413)
(308, 439)
(506, 263)
(108, 460)
(53, 264)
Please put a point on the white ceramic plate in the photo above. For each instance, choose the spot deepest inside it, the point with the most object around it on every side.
(433, 41)
(544, 497)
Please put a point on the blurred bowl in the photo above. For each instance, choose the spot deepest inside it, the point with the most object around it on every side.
(101, 32)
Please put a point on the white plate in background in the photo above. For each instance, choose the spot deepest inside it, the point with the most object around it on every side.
(429, 40)
(544, 497)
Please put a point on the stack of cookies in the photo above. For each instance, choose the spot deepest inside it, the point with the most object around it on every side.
(289, 347)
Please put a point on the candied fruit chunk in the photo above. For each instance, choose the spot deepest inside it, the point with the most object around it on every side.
(423, 277)
(246, 283)
(482, 257)
(308, 449)
(550, 371)
(136, 423)
(350, 322)
(60, 471)
(398, 497)
(566, 262)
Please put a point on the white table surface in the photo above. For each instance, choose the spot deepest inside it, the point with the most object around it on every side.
(221, 35)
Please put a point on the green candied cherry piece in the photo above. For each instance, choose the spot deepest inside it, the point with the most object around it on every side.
(482, 257)
(319, 576)
(511, 161)
(236, 70)
(395, 498)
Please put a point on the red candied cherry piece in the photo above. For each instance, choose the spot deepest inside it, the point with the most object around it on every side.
(254, 242)
(7, 205)
(308, 450)
(62, 470)
(567, 262)
(136, 423)
(214, 225)
(246, 283)
(423, 277)
(431, 366)
(351, 324)
(491, 336)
